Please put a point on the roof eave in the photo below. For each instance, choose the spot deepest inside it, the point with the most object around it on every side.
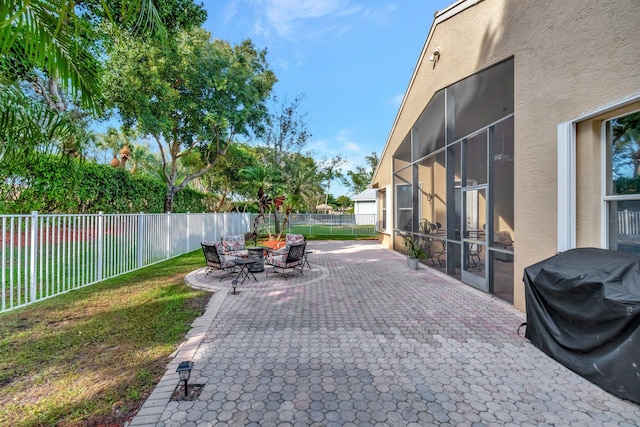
(439, 17)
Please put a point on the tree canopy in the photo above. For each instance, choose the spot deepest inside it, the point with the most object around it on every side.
(625, 145)
(196, 95)
(51, 63)
(149, 63)
(285, 131)
(359, 179)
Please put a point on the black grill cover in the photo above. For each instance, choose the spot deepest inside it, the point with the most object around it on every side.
(583, 310)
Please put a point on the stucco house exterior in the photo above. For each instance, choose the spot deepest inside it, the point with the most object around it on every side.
(515, 139)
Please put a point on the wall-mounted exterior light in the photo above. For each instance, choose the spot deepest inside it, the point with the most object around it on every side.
(435, 56)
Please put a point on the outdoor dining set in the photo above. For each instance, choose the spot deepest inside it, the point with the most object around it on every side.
(233, 258)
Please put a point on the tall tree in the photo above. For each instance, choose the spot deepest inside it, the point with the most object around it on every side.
(194, 96)
(283, 135)
(625, 143)
(331, 170)
(44, 55)
(50, 64)
(303, 184)
(343, 202)
(143, 161)
(113, 141)
(62, 39)
(228, 180)
(358, 180)
(285, 131)
(26, 123)
(262, 177)
(48, 35)
(142, 17)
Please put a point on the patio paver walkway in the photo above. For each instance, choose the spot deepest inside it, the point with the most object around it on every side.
(362, 340)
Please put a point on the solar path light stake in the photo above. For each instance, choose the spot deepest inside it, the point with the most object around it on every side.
(184, 370)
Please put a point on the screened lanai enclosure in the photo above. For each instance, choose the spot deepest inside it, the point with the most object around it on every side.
(453, 181)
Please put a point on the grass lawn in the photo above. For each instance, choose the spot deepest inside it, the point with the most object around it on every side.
(323, 237)
(90, 357)
(325, 231)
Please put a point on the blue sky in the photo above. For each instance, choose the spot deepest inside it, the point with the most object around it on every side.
(352, 59)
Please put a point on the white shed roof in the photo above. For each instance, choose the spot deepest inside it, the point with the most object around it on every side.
(368, 195)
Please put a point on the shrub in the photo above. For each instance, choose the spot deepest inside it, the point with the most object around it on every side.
(56, 184)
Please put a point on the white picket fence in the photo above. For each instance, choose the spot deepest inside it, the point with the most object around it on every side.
(46, 255)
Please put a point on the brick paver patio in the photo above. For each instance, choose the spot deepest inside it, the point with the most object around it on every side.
(361, 340)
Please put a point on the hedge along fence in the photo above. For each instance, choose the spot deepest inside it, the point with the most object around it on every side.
(55, 184)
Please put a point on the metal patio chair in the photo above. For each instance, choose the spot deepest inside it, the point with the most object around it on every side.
(217, 261)
(474, 256)
(292, 259)
(437, 254)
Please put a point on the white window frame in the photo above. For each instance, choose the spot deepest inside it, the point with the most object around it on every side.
(566, 214)
(606, 178)
(567, 185)
(384, 208)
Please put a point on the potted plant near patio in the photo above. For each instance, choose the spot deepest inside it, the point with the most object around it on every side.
(414, 252)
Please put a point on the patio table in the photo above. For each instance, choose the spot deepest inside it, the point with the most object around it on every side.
(244, 264)
(305, 259)
(256, 255)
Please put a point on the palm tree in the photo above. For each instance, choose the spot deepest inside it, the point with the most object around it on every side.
(331, 170)
(23, 119)
(112, 141)
(49, 35)
(302, 186)
(44, 35)
(46, 43)
(263, 178)
(142, 160)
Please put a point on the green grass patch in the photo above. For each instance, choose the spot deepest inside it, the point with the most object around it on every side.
(338, 237)
(325, 230)
(311, 237)
(91, 356)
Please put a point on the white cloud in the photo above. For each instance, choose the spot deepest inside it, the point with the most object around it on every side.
(345, 141)
(396, 101)
(341, 144)
(306, 19)
(258, 28)
(281, 62)
(231, 11)
(320, 148)
(380, 16)
(286, 15)
(352, 146)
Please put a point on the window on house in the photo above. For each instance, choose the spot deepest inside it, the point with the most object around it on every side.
(383, 210)
(404, 215)
(623, 184)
